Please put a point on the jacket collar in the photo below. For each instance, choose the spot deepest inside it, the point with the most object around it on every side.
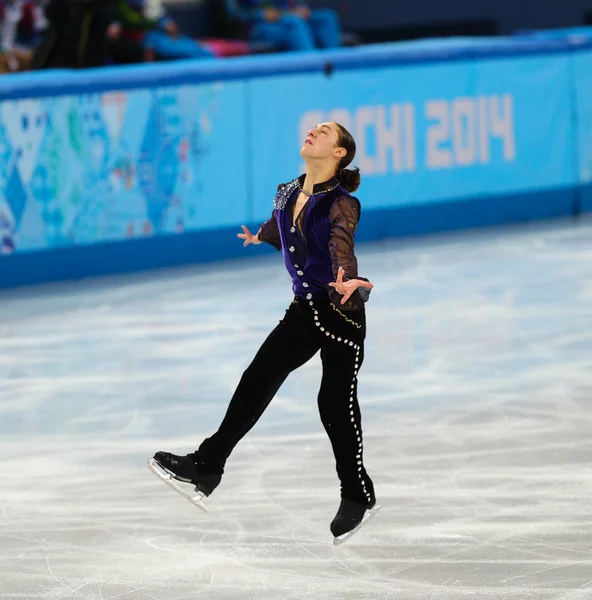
(320, 188)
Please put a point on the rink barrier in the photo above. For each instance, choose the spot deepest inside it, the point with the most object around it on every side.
(417, 199)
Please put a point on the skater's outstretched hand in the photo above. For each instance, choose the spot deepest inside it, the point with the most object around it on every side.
(347, 288)
(249, 237)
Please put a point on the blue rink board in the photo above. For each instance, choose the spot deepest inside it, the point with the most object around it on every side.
(425, 133)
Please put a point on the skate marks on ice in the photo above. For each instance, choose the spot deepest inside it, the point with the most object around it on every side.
(109, 533)
(477, 413)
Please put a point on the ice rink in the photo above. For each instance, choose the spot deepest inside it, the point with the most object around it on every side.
(476, 394)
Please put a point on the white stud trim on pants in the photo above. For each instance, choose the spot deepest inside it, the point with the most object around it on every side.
(356, 347)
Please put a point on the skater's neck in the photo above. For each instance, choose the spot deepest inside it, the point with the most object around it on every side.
(317, 173)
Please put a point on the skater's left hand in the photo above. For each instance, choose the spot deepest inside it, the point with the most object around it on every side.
(347, 288)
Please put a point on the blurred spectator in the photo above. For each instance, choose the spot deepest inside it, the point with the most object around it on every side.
(17, 50)
(289, 24)
(82, 34)
(147, 23)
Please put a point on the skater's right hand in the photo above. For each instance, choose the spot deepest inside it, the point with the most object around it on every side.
(249, 237)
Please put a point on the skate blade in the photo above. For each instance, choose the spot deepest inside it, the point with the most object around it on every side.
(369, 514)
(164, 475)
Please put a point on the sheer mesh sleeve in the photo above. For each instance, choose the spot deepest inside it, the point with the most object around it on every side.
(344, 217)
(270, 233)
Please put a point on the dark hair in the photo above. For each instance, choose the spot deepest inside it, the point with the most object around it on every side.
(348, 178)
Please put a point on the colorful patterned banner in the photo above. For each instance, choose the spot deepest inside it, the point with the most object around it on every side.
(120, 165)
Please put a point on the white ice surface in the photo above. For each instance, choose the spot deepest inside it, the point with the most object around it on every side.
(477, 408)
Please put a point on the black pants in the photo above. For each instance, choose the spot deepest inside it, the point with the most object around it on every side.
(306, 328)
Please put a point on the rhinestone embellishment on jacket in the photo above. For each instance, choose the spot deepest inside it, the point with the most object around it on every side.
(283, 194)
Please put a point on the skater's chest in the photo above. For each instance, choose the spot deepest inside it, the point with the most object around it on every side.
(305, 218)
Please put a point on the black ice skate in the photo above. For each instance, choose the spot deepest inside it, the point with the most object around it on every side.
(188, 469)
(350, 517)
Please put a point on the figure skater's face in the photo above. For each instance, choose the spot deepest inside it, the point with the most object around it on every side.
(322, 143)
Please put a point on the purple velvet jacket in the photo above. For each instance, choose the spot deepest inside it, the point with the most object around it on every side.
(321, 241)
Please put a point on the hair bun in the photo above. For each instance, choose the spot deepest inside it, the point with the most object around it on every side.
(349, 178)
